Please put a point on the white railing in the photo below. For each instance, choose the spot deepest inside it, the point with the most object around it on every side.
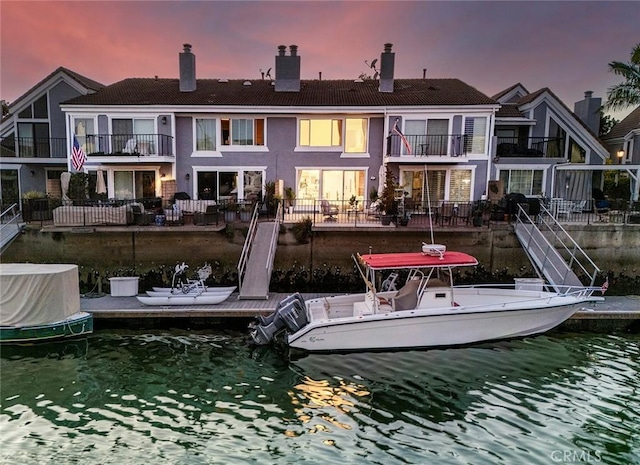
(10, 225)
(246, 249)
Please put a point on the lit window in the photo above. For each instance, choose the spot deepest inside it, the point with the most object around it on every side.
(320, 133)
(527, 182)
(475, 134)
(239, 131)
(355, 139)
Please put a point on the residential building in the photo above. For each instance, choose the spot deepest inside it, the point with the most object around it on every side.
(623, 141)
(327, 139)
(542, 148)
(34, 146)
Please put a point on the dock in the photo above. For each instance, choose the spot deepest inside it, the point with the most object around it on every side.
(615, 313)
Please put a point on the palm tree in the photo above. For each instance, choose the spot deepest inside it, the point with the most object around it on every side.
(627, 93)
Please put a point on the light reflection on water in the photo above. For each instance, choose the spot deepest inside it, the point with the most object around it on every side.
(178, 397)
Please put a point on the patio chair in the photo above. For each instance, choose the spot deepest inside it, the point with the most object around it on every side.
(329, 211)
(210, 216)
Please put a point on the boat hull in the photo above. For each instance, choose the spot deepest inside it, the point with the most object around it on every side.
(184, 299)
(79, 324)
(417, 329)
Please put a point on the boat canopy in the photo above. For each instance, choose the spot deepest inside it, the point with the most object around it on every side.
(386, 261)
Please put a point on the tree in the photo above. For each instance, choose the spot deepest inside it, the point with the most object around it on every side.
(627, 93)
(606, 123)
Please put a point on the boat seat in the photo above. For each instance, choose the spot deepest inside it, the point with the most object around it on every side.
(407, 296)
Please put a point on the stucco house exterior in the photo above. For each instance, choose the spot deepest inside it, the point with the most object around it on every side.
(33, 136)
(326, 139)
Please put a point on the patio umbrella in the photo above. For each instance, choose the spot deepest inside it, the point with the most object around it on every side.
(64, 186)
(101, 187)
(381, 178)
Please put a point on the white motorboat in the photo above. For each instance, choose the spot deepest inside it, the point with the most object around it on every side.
(210, 292)
(428, 311)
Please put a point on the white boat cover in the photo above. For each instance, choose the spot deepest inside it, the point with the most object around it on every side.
(33, 294)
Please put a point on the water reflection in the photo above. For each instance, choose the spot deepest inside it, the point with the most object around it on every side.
(202, 397)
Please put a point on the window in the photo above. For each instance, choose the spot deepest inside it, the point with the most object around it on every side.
(205, 134)
(475, 134)
(320, 133)
(333, 185)
(132, 184)
(557, 138)
(33, 139)
(133, 136)
(355, 139)
(576, 153)
(37, 110)
(527, 182)
(8, 188)
(460, 186)
(223, 185)
(85, 133)
(239, 131)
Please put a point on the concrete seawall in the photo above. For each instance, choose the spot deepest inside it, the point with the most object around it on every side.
(614, 248)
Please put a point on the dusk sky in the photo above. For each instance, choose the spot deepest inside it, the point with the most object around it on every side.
(563, 45)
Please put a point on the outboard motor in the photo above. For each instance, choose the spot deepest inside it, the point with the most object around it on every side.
(290, 314)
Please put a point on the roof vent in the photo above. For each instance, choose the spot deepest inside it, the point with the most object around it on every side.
(223, 80)
(358, 80)
(246, 83)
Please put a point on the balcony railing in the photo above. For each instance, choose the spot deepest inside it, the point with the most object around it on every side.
(530, 147)
(33, 147)
(442, 145)
(127, 144)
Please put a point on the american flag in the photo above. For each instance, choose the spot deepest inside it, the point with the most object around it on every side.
(397, 131)
(605, 285)
(78, 156)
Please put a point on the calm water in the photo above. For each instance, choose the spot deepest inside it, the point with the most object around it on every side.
(173, 397)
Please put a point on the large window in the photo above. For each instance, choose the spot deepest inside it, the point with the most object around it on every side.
(460, 186)
(238, 131)
(576, 153)
(223, 185)
(452, 185)
(428, 137)
(527, 182)
(133, 136)
(9, 189)
(475, 131)
(557, 140)
(131, 184)
(330, 184)
(33, 139)
(320, 133)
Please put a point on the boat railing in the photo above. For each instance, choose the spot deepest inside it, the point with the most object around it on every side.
(585, 291)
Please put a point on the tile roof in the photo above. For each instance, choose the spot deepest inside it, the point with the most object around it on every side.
(407, 92)
(83, 80)
(624, 127)
(509, 110)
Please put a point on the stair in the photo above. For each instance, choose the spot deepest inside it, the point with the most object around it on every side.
(255, 283)
(11, 225)
(553, 252)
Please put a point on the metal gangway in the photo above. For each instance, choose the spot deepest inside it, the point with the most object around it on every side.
(256, 261)
(554, 254)
(11, 225)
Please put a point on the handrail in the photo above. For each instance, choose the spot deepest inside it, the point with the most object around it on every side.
(553, 228)
(244, 256)
(274, 238)
(9, 225)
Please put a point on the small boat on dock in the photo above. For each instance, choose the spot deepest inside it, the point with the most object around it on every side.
(427, 311)
(41, 303)
(187, 292)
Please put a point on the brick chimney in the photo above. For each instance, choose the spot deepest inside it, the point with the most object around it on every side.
(187, 70)
(287, 70)
(588, 110)
(387, 61)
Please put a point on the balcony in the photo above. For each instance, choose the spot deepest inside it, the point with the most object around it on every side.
(442, 145)
(33, 147)
(127, 145)
(530, 147)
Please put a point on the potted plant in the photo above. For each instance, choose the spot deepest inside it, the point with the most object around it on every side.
(230, 210)
(290, 196)
(388, 207)
(246, 209)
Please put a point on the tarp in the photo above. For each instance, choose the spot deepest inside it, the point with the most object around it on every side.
(33, 294)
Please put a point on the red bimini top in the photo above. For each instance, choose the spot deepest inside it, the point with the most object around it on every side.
(385, 261)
